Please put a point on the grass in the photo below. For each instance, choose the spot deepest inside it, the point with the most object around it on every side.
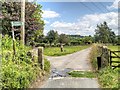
(108, 78)
(93, 56)
(114, 48)
(55, 51)
(85, 74)
(47, 66)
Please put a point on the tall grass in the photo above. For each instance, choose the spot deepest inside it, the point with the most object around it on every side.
(93, 56)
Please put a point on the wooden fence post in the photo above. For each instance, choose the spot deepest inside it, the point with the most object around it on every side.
(110, 58)
(40, 57)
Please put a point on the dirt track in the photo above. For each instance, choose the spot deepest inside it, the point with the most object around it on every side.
(76, 61)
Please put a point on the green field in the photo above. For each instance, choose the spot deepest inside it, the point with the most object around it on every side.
(114, 48)
(55, 51)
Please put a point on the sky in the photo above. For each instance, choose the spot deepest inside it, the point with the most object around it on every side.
(79, 18)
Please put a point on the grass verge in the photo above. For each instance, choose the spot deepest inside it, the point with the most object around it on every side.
(85, 74)
(44, 75)
(55, 51)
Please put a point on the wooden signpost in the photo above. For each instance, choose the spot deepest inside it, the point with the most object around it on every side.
(15, 23)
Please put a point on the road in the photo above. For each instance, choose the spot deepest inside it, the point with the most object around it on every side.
(61, 65)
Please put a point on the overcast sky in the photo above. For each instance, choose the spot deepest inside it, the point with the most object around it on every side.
(79, 17)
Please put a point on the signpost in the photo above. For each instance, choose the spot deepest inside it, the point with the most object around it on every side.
(15, 23)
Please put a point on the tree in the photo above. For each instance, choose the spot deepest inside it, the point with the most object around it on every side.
(52, 36)
(34, 24)
(103, 33)
(112, 38)
(37, 25)
(118, 39)
(87, 39)
(63, 39)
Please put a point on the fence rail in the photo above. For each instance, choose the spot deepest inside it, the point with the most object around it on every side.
(115, 56)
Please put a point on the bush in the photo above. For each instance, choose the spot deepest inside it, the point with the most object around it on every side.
(47, 45)
(109, 77)
(67, 44)
(40, 44)
(18, 71)
(58, 45)
(53, 45)
(6, 43)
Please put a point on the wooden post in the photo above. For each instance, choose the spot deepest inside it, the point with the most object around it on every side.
(14, 51)
(61, 48)
(99, 62)
(110, 58)
(40, 57)
(23, 21)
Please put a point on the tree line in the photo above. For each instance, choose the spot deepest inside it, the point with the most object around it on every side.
(103, 34)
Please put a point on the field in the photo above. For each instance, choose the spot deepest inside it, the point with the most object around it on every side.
(55, 51)
(114, 48)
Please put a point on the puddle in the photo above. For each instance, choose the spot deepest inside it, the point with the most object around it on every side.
(60, 73)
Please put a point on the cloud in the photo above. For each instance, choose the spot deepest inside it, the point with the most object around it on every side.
(114, 5)
(46, 22)
(87, 24)
(58, 24)
(50, 14)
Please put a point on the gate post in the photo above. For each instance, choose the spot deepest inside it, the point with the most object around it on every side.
(40, 57)
(99, 62)
(110, 58)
